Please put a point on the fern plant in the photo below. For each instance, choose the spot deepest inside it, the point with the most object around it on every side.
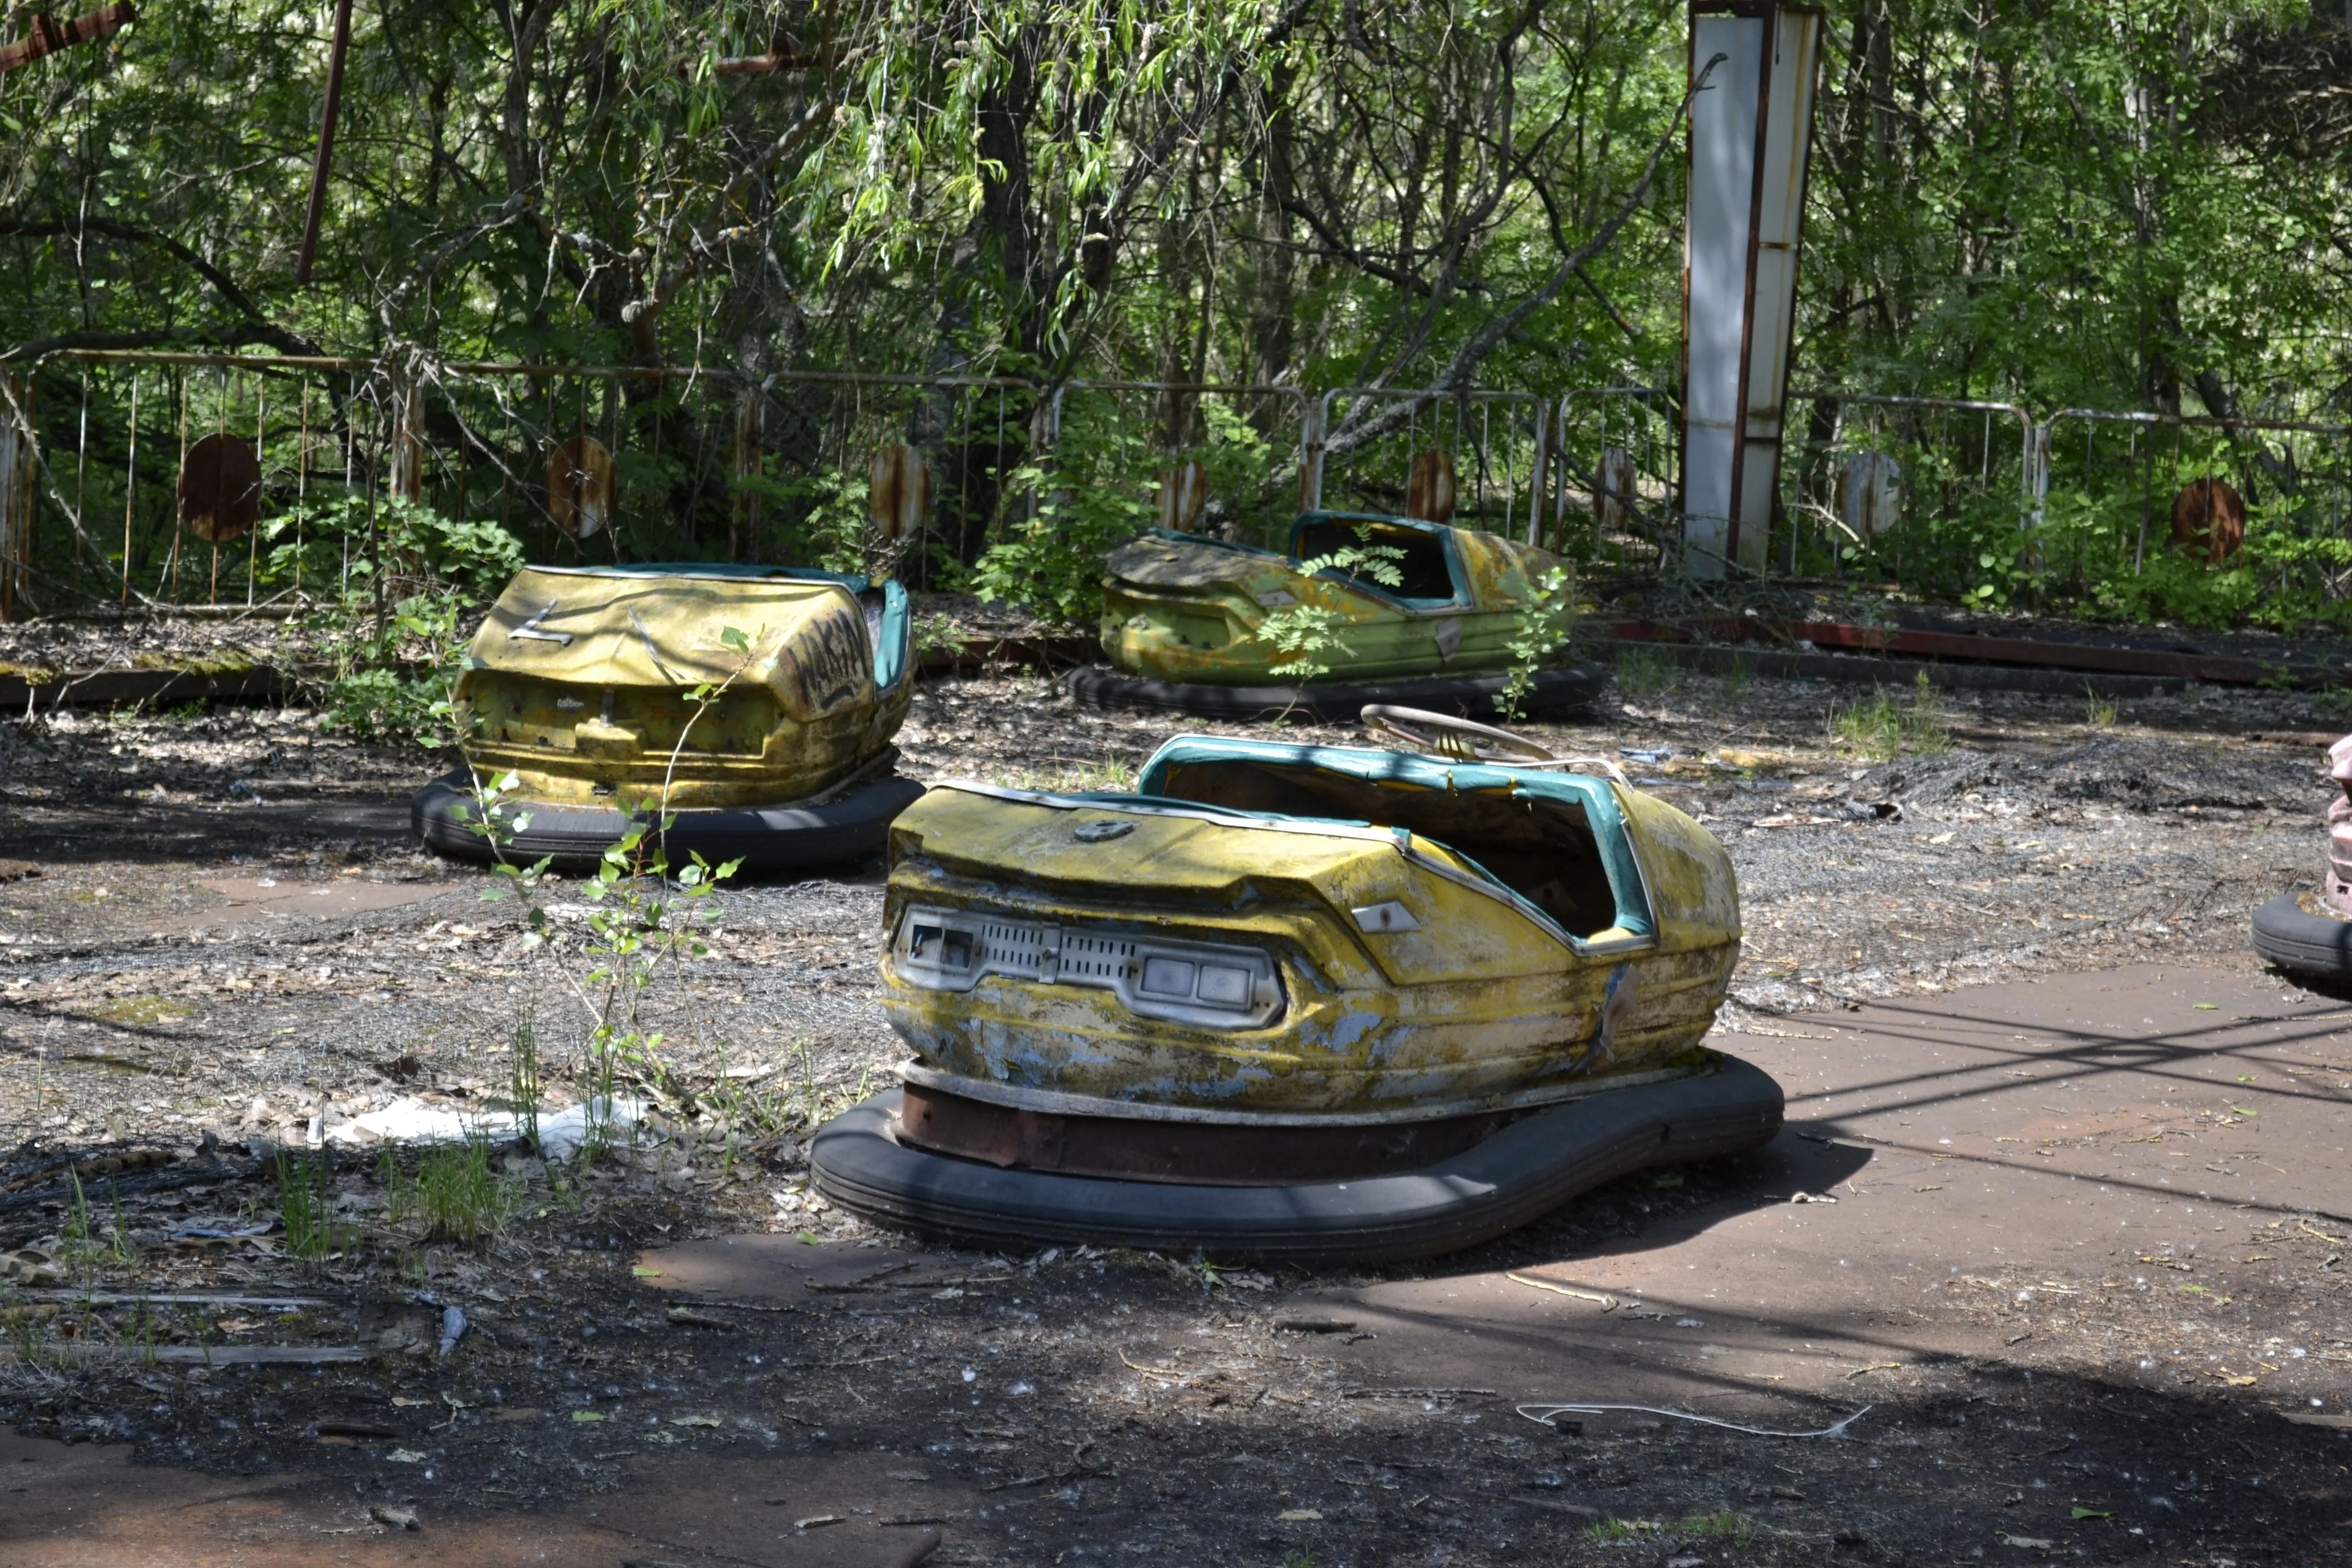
(1302, 634)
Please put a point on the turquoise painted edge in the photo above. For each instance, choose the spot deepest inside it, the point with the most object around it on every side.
(1599, 801)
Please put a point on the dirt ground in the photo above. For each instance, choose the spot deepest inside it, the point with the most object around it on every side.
(2022, 957)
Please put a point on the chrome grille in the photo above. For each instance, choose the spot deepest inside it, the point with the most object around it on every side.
(1211, 983)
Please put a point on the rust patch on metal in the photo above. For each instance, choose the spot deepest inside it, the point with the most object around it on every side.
(47, 36)
(220, 489)
(1183, 497)
(898, 491)
(2209, 521)
(1193, 1152)
(1429, 491)
(580, 487)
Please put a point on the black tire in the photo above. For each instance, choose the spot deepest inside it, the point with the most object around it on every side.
(770, 839)
(1466, 696)
(2293, 938)
(1522, 1171)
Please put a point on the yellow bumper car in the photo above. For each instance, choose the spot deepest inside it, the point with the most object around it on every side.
(609, 693)
(1421, 615)
(1298, 1000)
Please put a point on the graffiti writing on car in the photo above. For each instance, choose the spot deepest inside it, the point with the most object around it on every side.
(828, 661)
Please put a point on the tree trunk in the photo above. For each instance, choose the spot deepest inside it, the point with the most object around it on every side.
(1271, 295)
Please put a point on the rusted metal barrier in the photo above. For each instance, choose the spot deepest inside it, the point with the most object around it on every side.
(2111, 489)
(1461, 464)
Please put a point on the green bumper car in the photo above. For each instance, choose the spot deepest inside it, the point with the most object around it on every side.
(1361, 610)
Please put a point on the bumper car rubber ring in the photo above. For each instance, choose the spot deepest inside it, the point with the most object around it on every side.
(1464, 696)
(1516, 1175)
(2293, 938)
(769, 838)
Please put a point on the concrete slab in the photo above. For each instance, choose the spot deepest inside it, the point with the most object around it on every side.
(2010, 1145)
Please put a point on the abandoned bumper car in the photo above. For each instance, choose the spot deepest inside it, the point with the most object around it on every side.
(1422, 614)
(582, 684)
(2312, 932)
(1297, 1001)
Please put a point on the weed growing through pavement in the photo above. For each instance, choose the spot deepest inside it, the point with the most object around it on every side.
(2098, 712)
(458, 1194)
(1642, 675)
(305, 1204)
(523, 1096)
(24, 1339)
(643, 916)
(119, 1250)
(82, 1250)
(1542, 631)
(1880, 728)
(1723, 1524)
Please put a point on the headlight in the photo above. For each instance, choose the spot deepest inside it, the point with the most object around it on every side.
(1189, 982)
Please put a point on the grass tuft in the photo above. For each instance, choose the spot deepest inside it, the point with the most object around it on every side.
(1642, 675)
(1880, 728)
(457, 1194)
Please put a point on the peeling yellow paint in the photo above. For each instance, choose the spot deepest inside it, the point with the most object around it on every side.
(1476, 1002)
(579, 682)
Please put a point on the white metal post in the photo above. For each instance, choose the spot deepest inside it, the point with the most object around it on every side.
(1751, 137)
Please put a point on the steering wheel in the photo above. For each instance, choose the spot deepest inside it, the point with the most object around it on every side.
(1467, 740)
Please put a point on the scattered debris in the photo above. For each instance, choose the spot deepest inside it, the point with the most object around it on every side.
(1834, 1430)
(1608, 1303)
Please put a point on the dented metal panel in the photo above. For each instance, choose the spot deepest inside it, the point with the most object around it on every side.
(581, 681)
(1463, 996)
(1180, 607)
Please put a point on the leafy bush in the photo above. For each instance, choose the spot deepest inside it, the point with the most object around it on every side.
(389, 667)
(1095, 491)
(1090, 501)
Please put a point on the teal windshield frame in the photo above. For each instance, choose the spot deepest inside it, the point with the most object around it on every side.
(1596, 796)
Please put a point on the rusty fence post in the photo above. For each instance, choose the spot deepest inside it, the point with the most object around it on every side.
(15, 497)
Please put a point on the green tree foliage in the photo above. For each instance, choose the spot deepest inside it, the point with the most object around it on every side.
(2112, 204)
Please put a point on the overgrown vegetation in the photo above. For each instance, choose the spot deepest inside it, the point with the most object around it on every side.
(392, 589)
(1308, 636)
(2022, 206)
(1879, 729)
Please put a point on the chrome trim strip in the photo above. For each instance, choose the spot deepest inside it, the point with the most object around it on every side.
(1058, 1103)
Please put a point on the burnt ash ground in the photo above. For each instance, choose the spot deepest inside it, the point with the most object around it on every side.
(156, 993)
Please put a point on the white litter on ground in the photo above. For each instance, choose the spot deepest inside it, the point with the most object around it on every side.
(411, 1121)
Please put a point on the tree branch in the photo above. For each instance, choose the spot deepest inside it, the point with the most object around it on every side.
(262, 330)
(1360, 431)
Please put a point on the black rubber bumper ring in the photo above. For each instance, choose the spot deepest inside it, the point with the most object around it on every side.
(770, 839)
(1521, 1172)
(2293, 938)
(1464, 697)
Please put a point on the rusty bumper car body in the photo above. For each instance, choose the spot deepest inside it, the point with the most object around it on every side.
(1184, 617)
(583, 685)
(1294, 1000)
